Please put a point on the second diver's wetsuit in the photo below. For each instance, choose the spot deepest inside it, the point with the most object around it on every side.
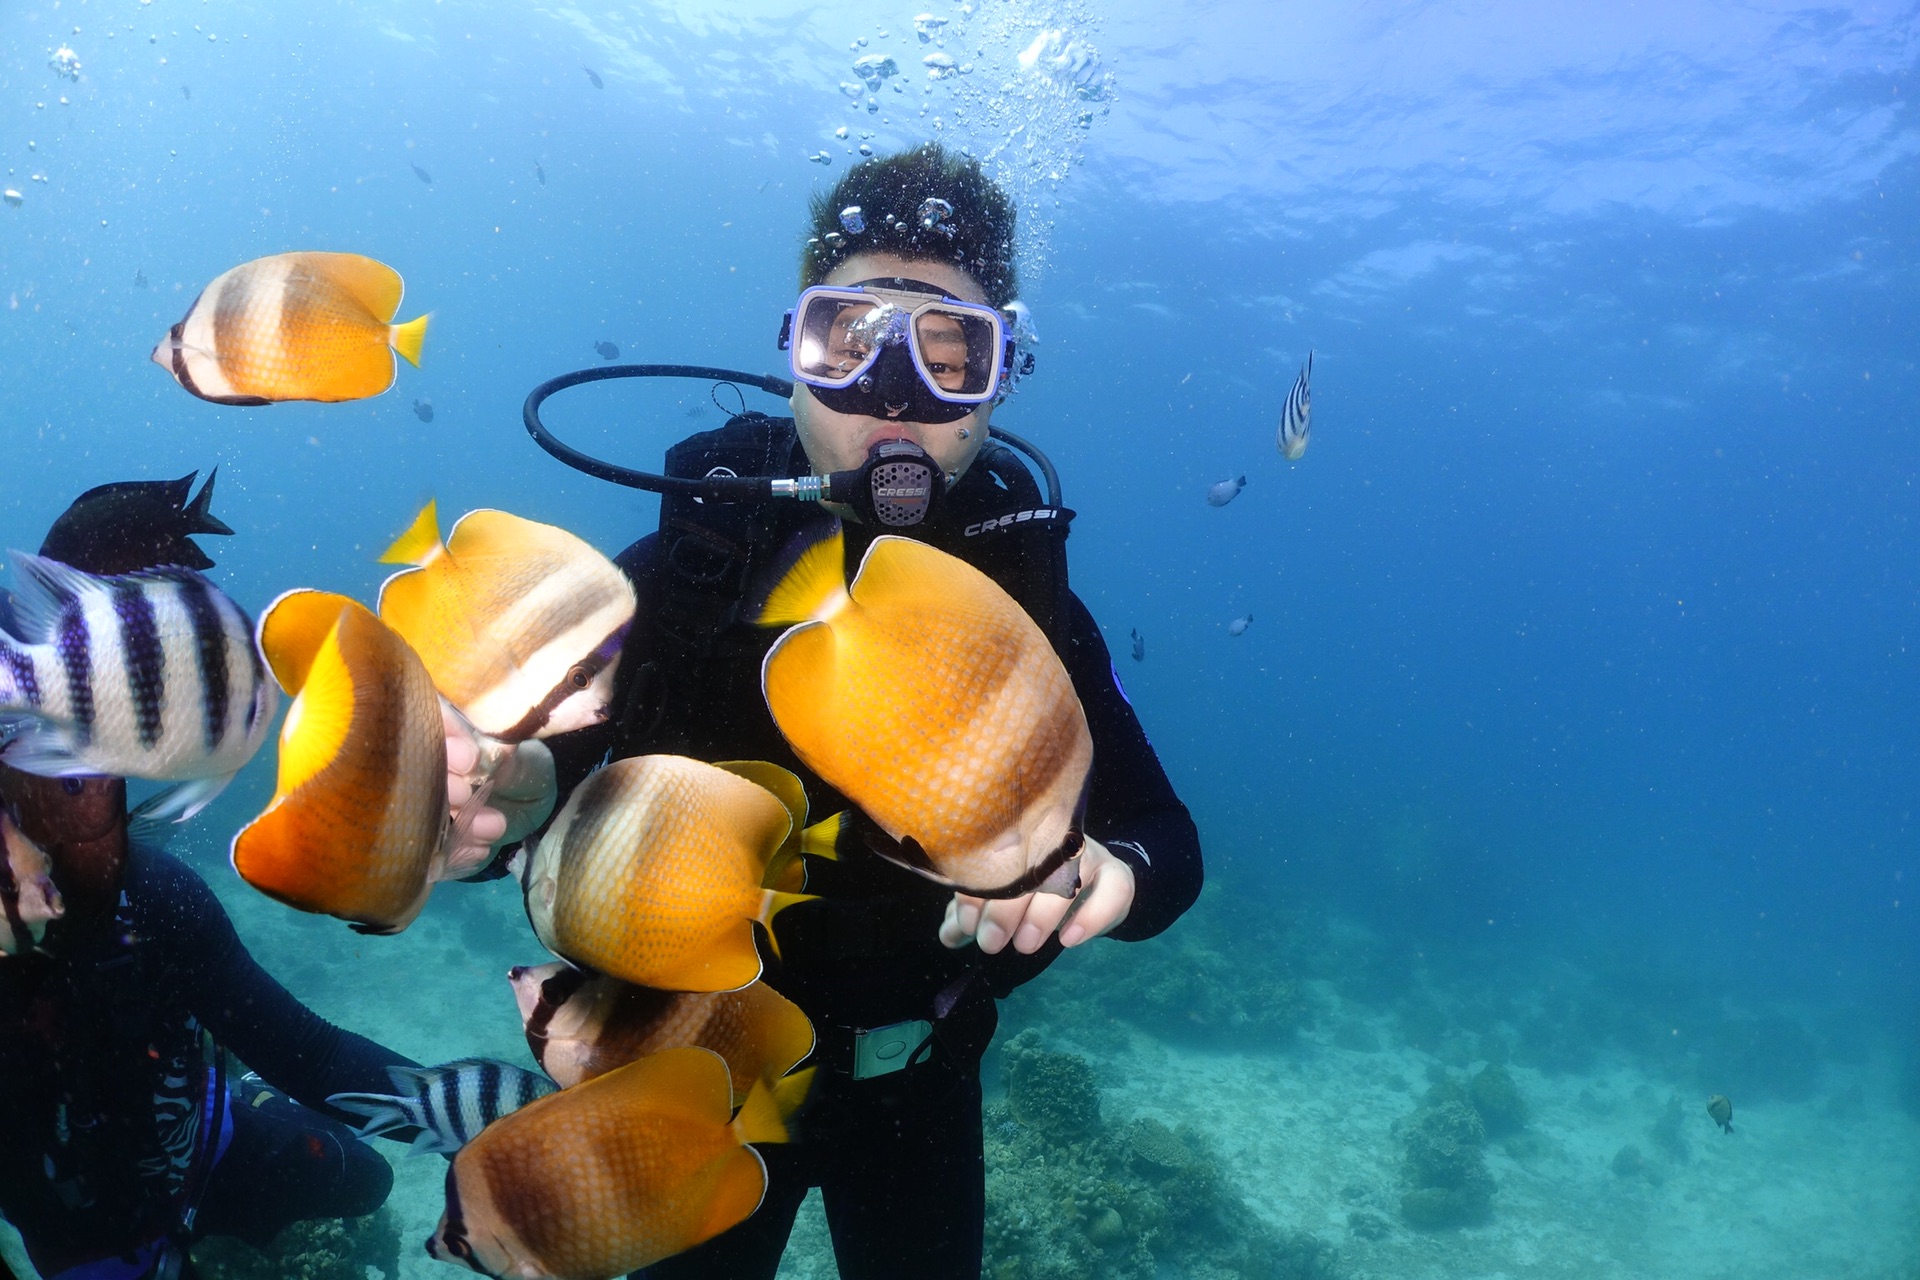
(120, 1139)
(898, 1156)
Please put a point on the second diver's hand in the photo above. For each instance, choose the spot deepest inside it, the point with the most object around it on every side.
(1104, 898)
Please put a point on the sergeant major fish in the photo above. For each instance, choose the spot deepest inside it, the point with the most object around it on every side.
(1296, 416)
(144, 675)
(449, 1104)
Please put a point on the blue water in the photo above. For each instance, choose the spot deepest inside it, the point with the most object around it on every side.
(1584, 634)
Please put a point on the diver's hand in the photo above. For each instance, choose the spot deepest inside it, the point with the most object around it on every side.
(1105, 897)
(510, 788)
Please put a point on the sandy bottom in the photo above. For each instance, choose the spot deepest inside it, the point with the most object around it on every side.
(1829, 1188)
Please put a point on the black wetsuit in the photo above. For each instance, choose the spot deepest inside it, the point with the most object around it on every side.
(119, 1133)
(897, 1156)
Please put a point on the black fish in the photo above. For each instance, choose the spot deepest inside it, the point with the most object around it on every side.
(607, 350)
(1139, 646)
(420, 173)
(423, 410)
(593, 76)
(139, 279)
(185, 92)
(134, 525)
(540, 173)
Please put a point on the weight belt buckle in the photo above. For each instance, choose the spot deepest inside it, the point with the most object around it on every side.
(881, 1051)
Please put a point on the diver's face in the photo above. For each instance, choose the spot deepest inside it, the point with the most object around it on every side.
(840, 441)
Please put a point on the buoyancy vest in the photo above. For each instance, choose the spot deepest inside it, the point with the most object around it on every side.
(712, 557)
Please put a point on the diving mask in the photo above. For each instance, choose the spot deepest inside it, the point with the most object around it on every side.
(898, 349)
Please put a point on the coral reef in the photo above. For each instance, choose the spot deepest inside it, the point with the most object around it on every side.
(1497, 1099)
(324, 1249)
(1054, 1093)
(1228, 976)
(1446, 1169)
(1070, 1197)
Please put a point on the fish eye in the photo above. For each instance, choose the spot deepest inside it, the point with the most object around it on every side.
(580, 677)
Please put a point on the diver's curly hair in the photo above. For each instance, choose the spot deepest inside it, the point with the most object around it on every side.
(977, 236)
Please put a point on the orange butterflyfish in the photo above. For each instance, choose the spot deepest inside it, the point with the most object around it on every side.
(293, 326)
(652, 872)
(519, 623)
(611, 1175)
(358, 815)
(580, 1025)
(925, 694)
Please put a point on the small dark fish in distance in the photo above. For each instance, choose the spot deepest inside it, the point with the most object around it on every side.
(139, 278)
(1219, 495)
(1296, 417)
(448, 1104)
(423, 410)
(594, 76)
(1238, 627)
(540, 173)
(607, 350)
(420, 173)
(1721, 1109)
(186, 92)
(1139, 646)
(136, 524)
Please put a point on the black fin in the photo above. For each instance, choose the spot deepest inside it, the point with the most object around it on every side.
(200, 519)
(177, 490)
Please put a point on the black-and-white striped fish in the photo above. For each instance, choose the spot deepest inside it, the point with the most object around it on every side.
(449, 1103)
(1295, 418)
(143, 675)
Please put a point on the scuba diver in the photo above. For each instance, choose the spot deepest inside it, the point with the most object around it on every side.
(126, 1135)
(902, 341)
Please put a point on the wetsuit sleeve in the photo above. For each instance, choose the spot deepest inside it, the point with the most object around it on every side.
(1131, 806)
(292, 1048)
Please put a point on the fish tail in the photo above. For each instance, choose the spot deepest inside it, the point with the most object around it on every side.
(810, 580)
(408, 338)
(200, 517)
(772, 903)
(823, 838)
(421, 542)
(791, 1091)
(760, 1118)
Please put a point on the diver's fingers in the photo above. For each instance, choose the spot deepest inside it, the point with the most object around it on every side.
(1105, 897)
(1044, 913)
(1000, 919)
(463, 753)
(956, 930)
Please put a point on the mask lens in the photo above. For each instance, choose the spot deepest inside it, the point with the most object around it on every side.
(838, 337)
(958, 351)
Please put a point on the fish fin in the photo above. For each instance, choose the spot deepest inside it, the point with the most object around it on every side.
(373, 284)
(177, 490)
(790, 1092)
(408, 338)
(772, 903)
(760, 1118)
(382, 1112)
(785, 872)
(906, 851)
(200, 517)
(808, 580)
(143, 828)
(179, 803)
(786, 788)
(292, 629)
(44, 750)
(778, 1035)
(824, 838)
(421, 542)
(41, 588)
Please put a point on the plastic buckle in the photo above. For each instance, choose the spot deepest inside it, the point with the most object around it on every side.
(881, 1051)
